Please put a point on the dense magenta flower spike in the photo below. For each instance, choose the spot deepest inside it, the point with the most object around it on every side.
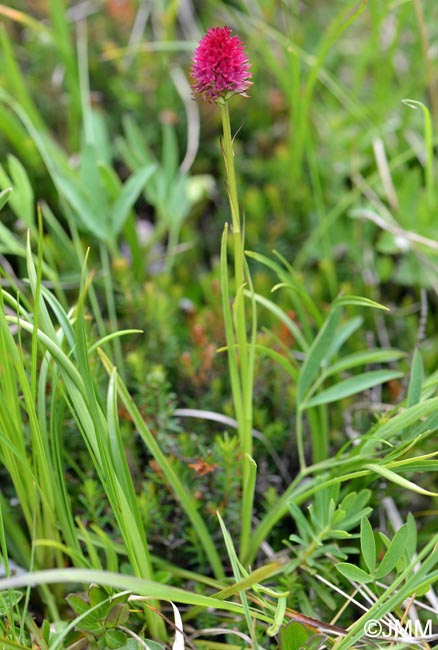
(220, 66)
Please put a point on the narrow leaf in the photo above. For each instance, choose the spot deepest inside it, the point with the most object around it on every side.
(353, 385)
(342, 334)
(23, 195)
(394, 552)
(353, 572)
(359, 301)
(399, 480)
(368, 544)
(416, 380)
(4, 196)
(407, 417)
(411, 542)
(128, 196)
(316, 354)
(284, 318)
(304, 528)
(237, 571)
(110, 180)
(362, 358)
(79, 201)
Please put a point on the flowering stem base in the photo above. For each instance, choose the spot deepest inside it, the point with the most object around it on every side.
(220, 70)
(240, 351)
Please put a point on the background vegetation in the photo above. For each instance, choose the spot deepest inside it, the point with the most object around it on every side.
(120, 466)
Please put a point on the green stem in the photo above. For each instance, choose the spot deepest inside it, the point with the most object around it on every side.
(227, 150)
(299, 439)
(238, 337)
(111, 306)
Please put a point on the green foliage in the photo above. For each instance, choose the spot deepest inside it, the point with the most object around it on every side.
(123, 432)
(98, 617)
(100, 204)
(393, 555)
(170, 191)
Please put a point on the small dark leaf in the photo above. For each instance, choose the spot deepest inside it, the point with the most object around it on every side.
(118, 615)
(77, 603)
(96, 595)
(115, 639)
(80, 644)
(8, 600)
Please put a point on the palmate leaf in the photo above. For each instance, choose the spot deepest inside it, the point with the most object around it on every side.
(92, 209)
(355, 506)
(352, 386)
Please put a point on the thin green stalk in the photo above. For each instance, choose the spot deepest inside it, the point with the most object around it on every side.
(183, 495)
(233, 367)
(227, 149)
(94, 302)
(327, 262)
(431, 75)
(237, 336)
(103, 436)
(111, 305)
(428, 145)
(62, 37)
(299, 438)
(319, 432)
(14, 80)
(300, 134)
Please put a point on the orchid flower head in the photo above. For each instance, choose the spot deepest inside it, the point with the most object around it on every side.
(220, 66)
